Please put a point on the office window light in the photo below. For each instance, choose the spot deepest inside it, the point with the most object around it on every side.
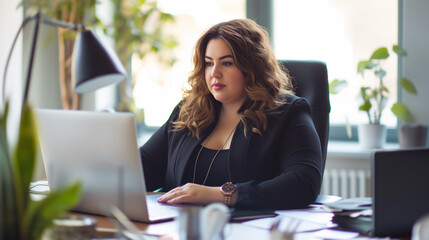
(158, 87)
(340, 33)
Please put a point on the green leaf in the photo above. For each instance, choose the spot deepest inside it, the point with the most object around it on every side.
(384, 89)
(402, 112)
(24, 158)
(399, 51)
(9, 224)
(362, 65)
(336, 85)
(408, 86)
(4, 150)
(380, 54)
(366, 106)
(3, 117)
(41, 214)
(374, 93)
(164, 17)
(363, 93)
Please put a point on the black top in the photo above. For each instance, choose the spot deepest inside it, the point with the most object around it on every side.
(218, 174)
(280, 169)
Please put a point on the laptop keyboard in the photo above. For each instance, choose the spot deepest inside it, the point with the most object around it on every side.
(158, 210)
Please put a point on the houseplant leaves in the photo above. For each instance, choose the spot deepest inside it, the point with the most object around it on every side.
(402, 112)
(22, 218)
(8, 215)
(408, 86)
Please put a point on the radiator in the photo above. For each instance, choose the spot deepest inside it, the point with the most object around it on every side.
(346, 183)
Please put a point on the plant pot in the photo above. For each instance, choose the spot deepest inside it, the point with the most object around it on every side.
(412, 136)
(372, 135)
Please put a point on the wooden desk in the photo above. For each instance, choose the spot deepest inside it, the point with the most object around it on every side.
(106, 227)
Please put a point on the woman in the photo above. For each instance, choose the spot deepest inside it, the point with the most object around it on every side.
(239, 135)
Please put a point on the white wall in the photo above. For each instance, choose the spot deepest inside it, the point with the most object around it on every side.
(44, 87)
(10, 21)
(415, 40)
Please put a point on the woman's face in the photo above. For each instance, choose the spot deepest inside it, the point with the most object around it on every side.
(223, 78)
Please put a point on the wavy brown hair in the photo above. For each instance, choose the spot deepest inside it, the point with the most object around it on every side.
(265, 79)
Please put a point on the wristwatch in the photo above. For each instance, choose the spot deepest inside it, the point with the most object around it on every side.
(228, 189)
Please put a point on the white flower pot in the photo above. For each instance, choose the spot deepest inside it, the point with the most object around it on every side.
(372, 135)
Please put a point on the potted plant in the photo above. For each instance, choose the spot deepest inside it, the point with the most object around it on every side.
(20, 216)
(373, 134)
(410, 134)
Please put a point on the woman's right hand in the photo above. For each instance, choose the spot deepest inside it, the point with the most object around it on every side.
(193, 193)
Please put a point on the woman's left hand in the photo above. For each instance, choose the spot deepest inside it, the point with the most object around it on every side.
(192, 193)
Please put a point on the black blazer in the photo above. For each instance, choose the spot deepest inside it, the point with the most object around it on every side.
(279, 170)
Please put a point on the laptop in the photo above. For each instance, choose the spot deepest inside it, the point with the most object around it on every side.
(400, 194)
(99, 149)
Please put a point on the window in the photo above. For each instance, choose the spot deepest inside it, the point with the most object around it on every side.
(340, 33)
(158, 88)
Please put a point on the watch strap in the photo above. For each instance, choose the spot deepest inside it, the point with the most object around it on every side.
(228, 189)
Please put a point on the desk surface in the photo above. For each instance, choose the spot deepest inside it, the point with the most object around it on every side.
(314, 223)
(257, 229)
(169, 230)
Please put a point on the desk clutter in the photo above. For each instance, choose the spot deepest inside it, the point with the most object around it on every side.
(354, 214)
(339, 219)
(71, 227)
(312, 223)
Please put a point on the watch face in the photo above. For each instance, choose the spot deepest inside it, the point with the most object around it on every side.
(228, 187)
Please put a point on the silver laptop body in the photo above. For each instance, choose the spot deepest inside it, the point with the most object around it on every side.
(99, 149)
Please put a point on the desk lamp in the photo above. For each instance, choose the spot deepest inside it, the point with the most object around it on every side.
(93, 65)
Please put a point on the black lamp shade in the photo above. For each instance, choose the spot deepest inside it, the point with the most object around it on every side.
(94, 66)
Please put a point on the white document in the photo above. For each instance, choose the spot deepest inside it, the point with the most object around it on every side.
(296, 221)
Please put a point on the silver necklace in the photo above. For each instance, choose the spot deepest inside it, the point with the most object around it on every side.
(211, 163)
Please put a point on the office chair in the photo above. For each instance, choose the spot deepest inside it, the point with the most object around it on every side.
(310, 79)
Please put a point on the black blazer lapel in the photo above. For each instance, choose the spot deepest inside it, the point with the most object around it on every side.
(238, 154)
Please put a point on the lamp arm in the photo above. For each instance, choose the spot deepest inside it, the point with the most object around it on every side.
(32, 52)
(26, 20)
(56, 23)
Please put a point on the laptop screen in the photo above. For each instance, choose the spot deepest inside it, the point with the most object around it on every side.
(400, 190)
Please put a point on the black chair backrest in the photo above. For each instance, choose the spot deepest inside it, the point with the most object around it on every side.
(310, 80)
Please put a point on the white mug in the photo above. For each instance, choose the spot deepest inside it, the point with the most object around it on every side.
(421, 228)
(203, 223)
